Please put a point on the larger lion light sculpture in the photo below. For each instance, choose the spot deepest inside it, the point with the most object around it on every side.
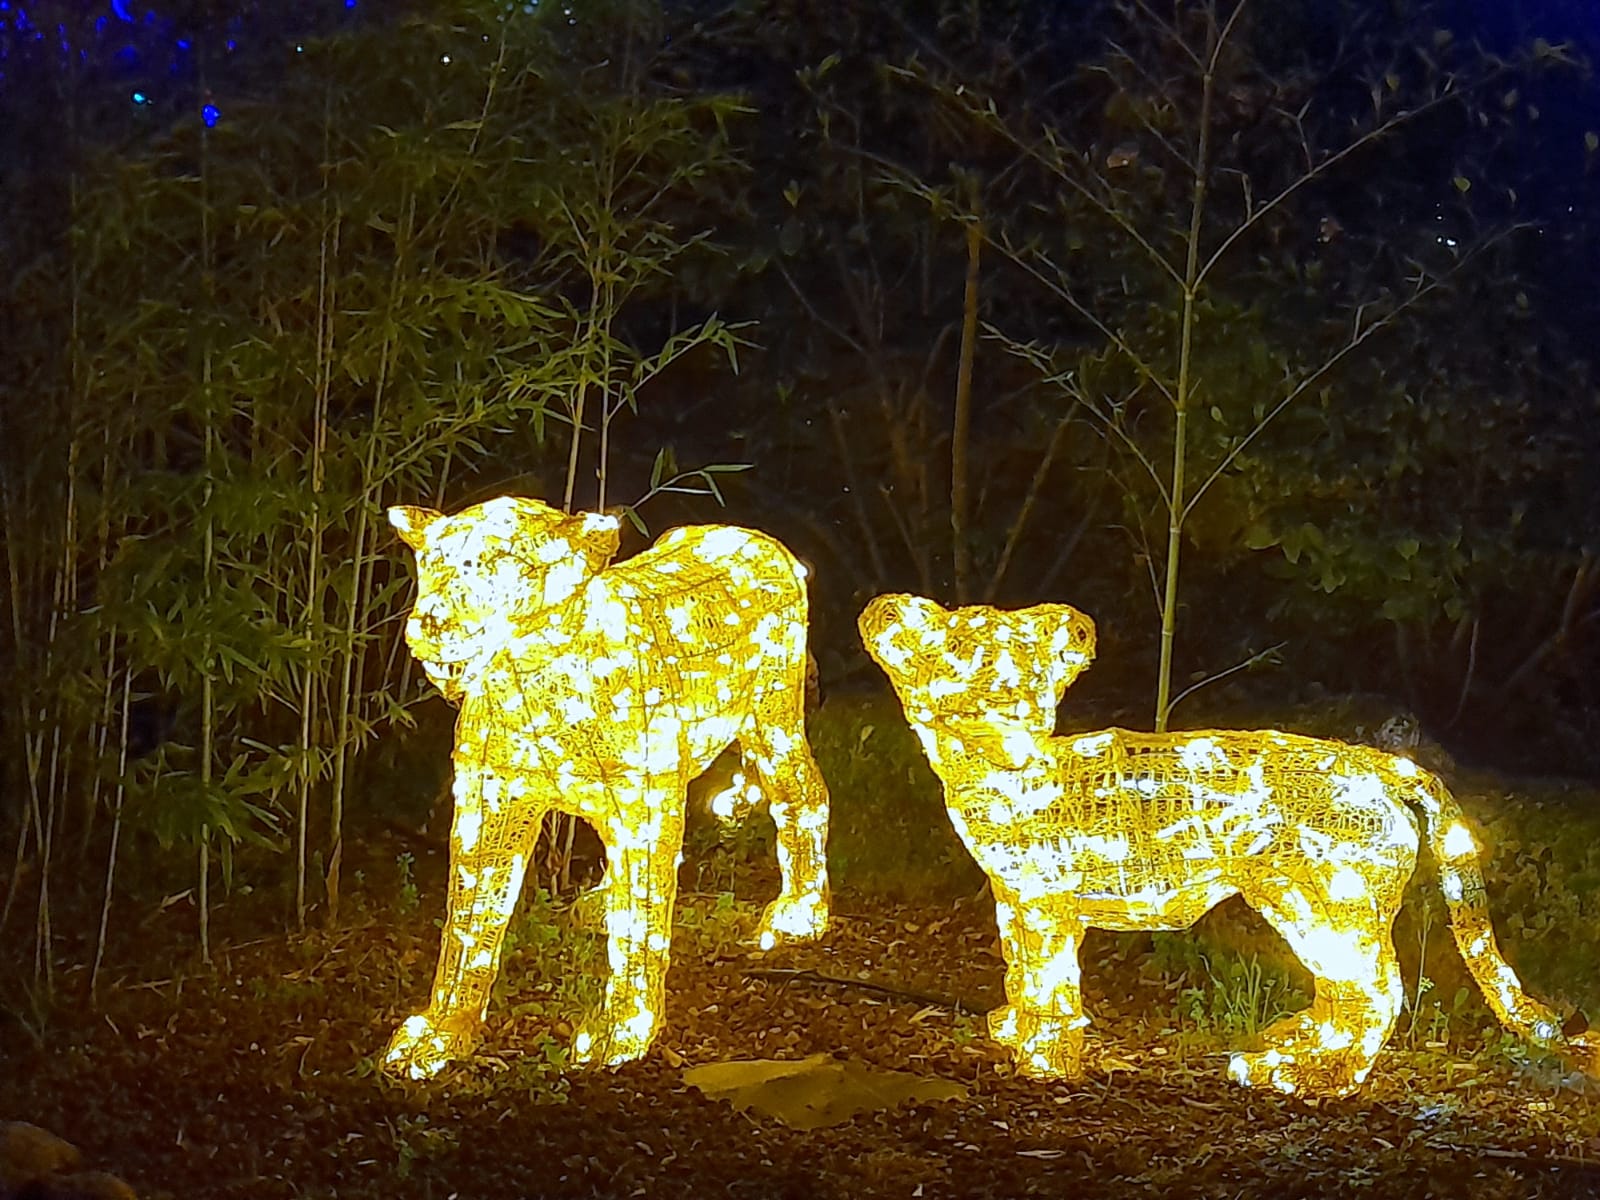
(1124, 830)
(601, 691)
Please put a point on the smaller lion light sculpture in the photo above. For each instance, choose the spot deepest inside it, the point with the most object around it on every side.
(602, 691)
(1124, 830)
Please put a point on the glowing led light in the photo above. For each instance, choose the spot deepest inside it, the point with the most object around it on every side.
(1124, 830)
(209, 114)
(602, 691)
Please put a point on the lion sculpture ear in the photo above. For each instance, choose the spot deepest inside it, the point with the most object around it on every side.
(412, 523)
(887, 615)
(598, 537)
(1068, 637)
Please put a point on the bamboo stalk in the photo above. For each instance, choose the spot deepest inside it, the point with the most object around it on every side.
(209, 554)
(1183, 394)
(960, 435)
(116, 835)
(313, 604)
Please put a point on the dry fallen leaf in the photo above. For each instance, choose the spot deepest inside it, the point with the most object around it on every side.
(815, 1092)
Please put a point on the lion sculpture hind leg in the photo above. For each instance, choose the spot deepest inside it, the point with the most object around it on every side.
(1346, 942)
(797, 798)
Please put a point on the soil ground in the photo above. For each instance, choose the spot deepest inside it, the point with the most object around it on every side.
(254, 1077)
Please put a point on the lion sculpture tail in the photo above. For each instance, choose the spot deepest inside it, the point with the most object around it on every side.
(1455, 854)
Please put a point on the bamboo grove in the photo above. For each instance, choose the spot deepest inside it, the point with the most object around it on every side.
(247, 342)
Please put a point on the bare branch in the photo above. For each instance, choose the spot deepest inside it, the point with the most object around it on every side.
(1424, 287)
(1404, 117)
(1210, 679)
(1030, 499)
(1160, 89)
(989, 117)
(1029, 264)
(1063, 380)
(1170, 32)
(805, 300)
(913, 545)
(1227, 32)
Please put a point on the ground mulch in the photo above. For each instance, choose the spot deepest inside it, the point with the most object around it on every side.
(254, 1077)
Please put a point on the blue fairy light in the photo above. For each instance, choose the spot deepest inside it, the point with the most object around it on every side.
(120, 7)
(209, 114)
(140, 98)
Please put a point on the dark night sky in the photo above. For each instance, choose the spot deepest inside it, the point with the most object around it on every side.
(134, 45)
(139, 65)
(153, 56)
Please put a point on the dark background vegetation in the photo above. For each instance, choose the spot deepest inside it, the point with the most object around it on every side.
(270, 268)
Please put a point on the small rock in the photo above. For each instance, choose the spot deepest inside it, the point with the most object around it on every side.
(28, 1153)
(81, 1185)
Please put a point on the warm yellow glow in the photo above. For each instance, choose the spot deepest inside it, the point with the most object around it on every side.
(1124, 830)
(601, 691)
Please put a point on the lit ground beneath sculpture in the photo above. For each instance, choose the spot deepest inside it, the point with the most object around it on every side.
(601, 691)
(1124, 830)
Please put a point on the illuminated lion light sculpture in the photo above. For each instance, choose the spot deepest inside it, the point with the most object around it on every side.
(601, 691)
(1124, 830)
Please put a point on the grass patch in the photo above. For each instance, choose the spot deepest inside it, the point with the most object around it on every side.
(1227, 993)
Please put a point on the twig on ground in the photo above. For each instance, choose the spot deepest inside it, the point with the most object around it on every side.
(799, 975)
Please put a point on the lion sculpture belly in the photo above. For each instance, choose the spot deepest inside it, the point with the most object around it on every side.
(602, 691)
(1125, 830)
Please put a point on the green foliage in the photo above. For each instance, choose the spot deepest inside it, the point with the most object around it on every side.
(889, 834)
(1214, 269)
(715, 927)
(404, 863)
(414, 1137)
(1544, 887)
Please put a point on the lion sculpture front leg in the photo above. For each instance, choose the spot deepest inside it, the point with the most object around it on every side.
(490, 846)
